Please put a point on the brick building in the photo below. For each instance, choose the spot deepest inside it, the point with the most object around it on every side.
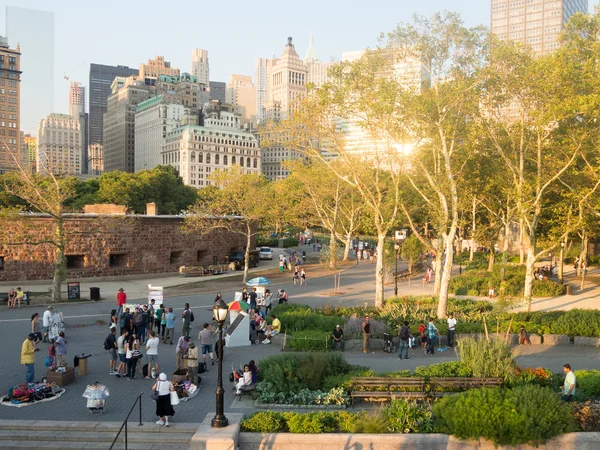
(114, 246)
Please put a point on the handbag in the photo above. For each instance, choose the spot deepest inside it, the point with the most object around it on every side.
(136, 354)
(154, 396)
(174, 398)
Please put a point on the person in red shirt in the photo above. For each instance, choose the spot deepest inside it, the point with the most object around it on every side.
(121, 300)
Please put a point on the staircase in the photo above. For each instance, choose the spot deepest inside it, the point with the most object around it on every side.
(42, 434)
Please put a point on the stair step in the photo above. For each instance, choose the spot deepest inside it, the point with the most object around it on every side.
(134, 435)
(93, 426)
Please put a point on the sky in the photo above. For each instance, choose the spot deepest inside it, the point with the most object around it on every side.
(234, 32)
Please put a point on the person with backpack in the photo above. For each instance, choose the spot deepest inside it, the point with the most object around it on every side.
(121, 342)
(405, 335)
(423, 336)
(188, 318)
(140, 320)
(126, 321)
(110, 344)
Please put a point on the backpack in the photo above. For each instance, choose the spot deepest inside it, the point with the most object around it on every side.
(202, 367)
(107, 345)
(138, 319)
(404, 333)
(191, 316)
(122, 320)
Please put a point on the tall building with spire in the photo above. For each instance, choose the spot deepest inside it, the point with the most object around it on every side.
(200, 67)
(311, 53)
(536, 23)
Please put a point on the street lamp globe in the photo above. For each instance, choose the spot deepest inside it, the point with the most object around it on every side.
(220, 310)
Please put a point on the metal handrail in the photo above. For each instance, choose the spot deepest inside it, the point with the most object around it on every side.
(124, 424)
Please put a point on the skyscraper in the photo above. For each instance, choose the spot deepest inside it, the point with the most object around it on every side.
(217, 90)
(154, 68)
(101, 78)
(260, 80)
(536, 23)
(200, 67)
(34, 31)
(76, 99)
(60, 140)
(10, 101)
(241, 93)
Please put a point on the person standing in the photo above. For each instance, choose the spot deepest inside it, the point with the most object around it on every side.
(192, 362)
(206, 338)
(36, 327)
(253, 296)
(121, 343)
(126, 321)
(130, 347)
(140, 320)
(296, 275)
(110, 344)
(405, 336)
(366, 331)
(433, 332)
(164, 409)
(523, 336)
(61, 350)
(151, 314)
(46, 319)
(423, 336)
(181, 350)
(303, 277)
(114, 319)
(281, 263)
(121, 300)
(158, 321)
(170, 324)
(28, 350)
(568, 388)
(187, 320)
(152, 352)
(451, 330)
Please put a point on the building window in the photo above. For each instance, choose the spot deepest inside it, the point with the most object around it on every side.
(201, 255)
(199, 157)
(75, 261)
(224, 160)
(216, 159)
(1, 262)
(176, 258)
(118, 260)
(208, 158)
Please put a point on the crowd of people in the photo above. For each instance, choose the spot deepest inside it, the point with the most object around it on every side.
(15, 298)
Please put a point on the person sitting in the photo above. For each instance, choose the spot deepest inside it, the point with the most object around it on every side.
(283, 297)
(254, 370)
(523, 336)
(272, 329)
(337, 339)
(245, 380)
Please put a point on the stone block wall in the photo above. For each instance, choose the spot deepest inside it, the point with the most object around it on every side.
(113, 246)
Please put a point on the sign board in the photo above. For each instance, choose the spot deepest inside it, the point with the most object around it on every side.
(238, 297)
(401, 234)
(260, 295)
(238, 333)
(73, 290)
(156, 293)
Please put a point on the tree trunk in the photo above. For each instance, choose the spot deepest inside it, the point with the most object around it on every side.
(247, 254)
(347, 247)
(583, 251)
(474, 225)
(446, 275)
(521, 239)
(379, 275)
(438, 267)
(332, 250)
(60, 265)
(529, 269)
(410, 264)
(583, 257)
(492, 259)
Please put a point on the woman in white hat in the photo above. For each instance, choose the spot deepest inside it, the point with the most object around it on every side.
(164, 409)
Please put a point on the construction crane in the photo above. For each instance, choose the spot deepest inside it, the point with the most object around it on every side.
(67, 77)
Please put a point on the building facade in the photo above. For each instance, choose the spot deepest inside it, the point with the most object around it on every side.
(200, 67)
(154, 118)
(33, 31)
(218, 91)
(536, 23)
(103, 246)
(60, 140)
(76, 99)
(29, 146)
(95, 161)
(241, 93)
(119, 123)
(185, 90)
(10, 106)
(154, 68)
(220, 143)
(101, 79)
(260, 80)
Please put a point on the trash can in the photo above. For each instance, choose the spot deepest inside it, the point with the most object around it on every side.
(95, 294)
(569, 289)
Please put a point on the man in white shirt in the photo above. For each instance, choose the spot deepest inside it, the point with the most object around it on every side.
(152, 352)
(451, 330)
(46, 319)
(568, 389)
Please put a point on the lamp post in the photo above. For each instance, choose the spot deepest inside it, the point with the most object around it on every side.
(560, 269)
(220, 311)
(397, 248)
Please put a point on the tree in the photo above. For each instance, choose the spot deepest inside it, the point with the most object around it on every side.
(239, 207)
(412, 250)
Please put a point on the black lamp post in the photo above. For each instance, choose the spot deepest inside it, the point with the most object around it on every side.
(562, 248)
(220, 311)
(397, 249)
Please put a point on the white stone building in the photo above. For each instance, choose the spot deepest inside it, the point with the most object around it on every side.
(199, 66)
(60, 142)
(241, 93)
(198, 150)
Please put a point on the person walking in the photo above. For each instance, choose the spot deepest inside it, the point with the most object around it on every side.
(192, 363)
(451, 330)
(253, 296)
(152, 353)
(206, 338)
(36, 327)
(523, 336)
(302, 277)
(163, 321)
(110, 344)
(61, 350)
(114, 318)
(433, 332)
(164, 409)
(405, 335)
(130, 347)
(187, 320)
(121, 343)
(366, 331)
(568, 388)
(46, 319)
(121, 300)
(181, 350)
(296, 275)
(170, 323)
(28, 350)
(423, 336)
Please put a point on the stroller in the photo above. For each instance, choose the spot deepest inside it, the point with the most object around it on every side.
(388, 343)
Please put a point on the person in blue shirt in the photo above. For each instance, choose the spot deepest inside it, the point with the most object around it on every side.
(433, 333)
(170, 322)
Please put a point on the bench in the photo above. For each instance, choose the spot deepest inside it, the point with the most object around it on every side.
(403, 274)
(246, 390)
(387, 388)
(461, 384)
(26, 297)
(193, 271)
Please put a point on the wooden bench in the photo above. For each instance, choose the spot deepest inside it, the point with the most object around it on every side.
(193, 271)
(26, 297)
(387, 388)
(460, 384)
(403, 274)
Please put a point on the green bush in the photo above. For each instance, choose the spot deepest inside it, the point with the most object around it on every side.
(526, 414)
(446, 369)
(408, 417)
(587, 384)
(309, 341)
(312, 423)
(344, 380)
(265, 422)
(577, 322)
(487, 358)
(290, 242)
(267, 242)
(295, 317)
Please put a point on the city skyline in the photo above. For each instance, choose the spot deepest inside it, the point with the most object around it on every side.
(233, 53)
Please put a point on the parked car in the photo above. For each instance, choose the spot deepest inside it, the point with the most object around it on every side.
(265, 253)
(238, 259)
